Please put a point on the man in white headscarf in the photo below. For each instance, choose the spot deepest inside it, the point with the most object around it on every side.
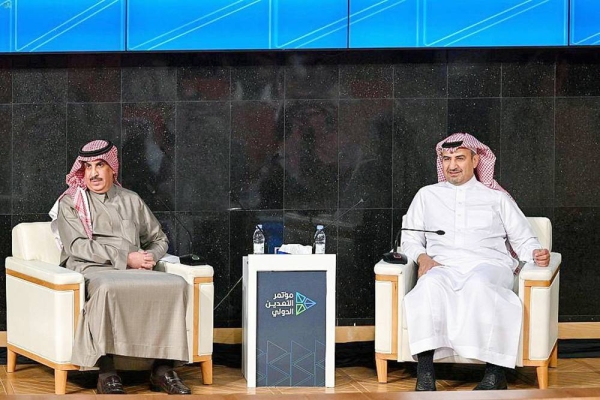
(463, 303)
(110, 235)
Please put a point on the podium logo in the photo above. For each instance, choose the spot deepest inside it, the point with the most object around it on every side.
(303, 303)
(286, 303)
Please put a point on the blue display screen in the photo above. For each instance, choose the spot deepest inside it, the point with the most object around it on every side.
(167, 25)
(306, 24)
(384, 23)
(190, 25)
(62, 25)
(464, 23)
(236, 24)
(5, 25)
(585, 22)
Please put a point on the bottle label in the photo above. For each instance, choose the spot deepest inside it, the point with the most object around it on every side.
(320, 248)
(259, 248)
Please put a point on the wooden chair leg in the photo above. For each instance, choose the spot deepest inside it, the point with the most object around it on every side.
(11, 360)
(207, 371)
(554, 357)
(381, 365)
(542, 375)
(60, 381)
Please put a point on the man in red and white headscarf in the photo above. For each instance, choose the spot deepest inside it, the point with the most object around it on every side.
(463, 303)
(110, 235)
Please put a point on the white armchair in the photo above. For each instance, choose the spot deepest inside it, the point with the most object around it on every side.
(44, 300)
(537, 287)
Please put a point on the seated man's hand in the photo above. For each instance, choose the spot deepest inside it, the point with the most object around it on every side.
(141, 260)
(541, 257)
(425, 264)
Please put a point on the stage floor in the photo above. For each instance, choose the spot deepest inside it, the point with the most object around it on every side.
(581, 373)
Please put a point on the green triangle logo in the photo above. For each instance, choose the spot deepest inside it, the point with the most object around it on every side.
(303, 303)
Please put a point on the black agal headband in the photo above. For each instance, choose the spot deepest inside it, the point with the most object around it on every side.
(451, 145)
(98, 152)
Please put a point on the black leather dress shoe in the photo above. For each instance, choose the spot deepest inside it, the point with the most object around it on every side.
(492, 382)
(168, 382)
(110, 385)
(425, 382)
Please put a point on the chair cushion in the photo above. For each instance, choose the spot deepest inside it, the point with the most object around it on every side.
(35, 241)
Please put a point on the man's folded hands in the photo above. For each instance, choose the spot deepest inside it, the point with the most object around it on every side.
(141, 260)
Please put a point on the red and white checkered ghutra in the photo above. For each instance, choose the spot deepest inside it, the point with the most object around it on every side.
(76, 181)
(487, 160)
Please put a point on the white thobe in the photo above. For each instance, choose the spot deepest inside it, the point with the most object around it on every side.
(466, 306)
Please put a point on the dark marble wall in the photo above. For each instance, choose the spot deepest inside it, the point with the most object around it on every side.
(295, 139)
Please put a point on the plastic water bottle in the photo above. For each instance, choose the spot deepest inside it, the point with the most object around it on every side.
(259, 240)
(320, 240)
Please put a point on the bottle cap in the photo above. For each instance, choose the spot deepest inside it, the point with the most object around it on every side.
(319, 227)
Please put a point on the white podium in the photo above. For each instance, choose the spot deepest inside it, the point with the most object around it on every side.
(288, 320)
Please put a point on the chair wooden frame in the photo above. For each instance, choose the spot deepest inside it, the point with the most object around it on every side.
(60, 370)
(392, 282)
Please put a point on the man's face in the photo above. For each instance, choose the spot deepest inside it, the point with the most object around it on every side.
(99, 176)
(459, 167)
